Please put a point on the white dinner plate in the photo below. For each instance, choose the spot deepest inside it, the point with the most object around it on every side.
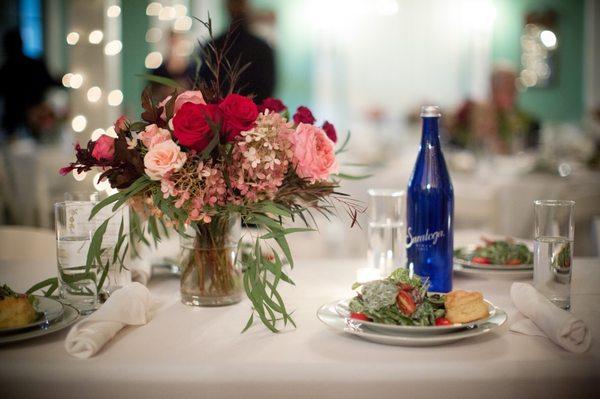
(49, 309)
(493, 274)
(343, 310)
(69, 316)
(328, 315)
(471, 265)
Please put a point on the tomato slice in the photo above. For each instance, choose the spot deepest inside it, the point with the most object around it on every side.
(442, 321)
(481, 260)
(359, 316)
(405, 303)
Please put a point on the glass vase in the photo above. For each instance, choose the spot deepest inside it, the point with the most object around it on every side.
(211, 271)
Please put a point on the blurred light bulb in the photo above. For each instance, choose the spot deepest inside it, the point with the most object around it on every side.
(94, 94)
(101, 185)
(96, 134)
(153, 35)
(153, 9)
(72, 38)
(548, 39)
(153, 60)
(66, 80)
(113, 11)
(183, 24)
(110, 132)
(180, 10)
(79, 176)
(95, 36)
(79, 123)
(115, 98)
(166, 13)
(76, 81)
(113, 47)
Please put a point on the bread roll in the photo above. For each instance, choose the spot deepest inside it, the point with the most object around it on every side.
(464, 307)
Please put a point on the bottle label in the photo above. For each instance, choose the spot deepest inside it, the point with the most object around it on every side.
(423, 238)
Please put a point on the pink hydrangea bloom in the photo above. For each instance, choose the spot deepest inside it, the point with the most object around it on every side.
(314, 153)
(261, 159)
(153, 135)
(162, 159)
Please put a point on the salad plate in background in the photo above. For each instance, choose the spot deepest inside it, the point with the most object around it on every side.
(495, 255)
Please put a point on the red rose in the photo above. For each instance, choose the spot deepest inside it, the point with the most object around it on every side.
(330, 131)
(104, 148)
(239, 114)
(272, 104)
(303, 115)
(121, 124)
(192, 125)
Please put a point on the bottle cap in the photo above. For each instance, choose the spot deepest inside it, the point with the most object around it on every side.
(429, 111)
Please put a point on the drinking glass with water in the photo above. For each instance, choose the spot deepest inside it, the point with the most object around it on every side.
(386, 235)
(553, 250)
(73, 236)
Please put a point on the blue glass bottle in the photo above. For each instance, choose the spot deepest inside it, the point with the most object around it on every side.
(430, 209)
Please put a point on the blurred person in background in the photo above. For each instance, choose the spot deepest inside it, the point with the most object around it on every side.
(24, 83)
(258, 79)
(498, 125)
(176, 66)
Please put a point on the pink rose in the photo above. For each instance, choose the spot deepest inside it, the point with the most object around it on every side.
(314, 154)
(104, 148)
(153, 135)
(190, 96)
(163, 158)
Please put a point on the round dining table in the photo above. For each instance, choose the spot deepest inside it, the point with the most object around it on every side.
(193, 352)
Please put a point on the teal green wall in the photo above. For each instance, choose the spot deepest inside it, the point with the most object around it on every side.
(293, 52)
(563, 101)
(134, 27)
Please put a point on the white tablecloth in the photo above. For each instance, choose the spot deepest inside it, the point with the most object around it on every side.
(200, 353)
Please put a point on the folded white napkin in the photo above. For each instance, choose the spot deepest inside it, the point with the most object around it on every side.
(141, 266)
(560, 326)
(130, 305)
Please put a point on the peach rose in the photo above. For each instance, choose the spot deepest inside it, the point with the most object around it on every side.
(153, 135)
(190, 96)
(313, 153)
(163, 158)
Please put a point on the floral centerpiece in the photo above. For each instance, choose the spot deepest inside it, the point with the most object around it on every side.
(207, 161)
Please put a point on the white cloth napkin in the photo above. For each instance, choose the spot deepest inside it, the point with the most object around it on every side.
(130, 305)
(546, 319)
(141, 267)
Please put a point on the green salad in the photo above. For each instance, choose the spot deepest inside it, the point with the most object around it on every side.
(399, 299)
(497, 252)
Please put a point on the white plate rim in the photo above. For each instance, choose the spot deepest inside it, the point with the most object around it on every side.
(472, 265)
(410, 339)
(502, 274)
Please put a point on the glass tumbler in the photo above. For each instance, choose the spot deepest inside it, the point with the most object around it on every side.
(386, 233)
(553, 250)
(73, 236)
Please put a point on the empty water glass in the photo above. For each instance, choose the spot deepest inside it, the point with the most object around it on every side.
(386, 234)
(73, 236)
(553, 250)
